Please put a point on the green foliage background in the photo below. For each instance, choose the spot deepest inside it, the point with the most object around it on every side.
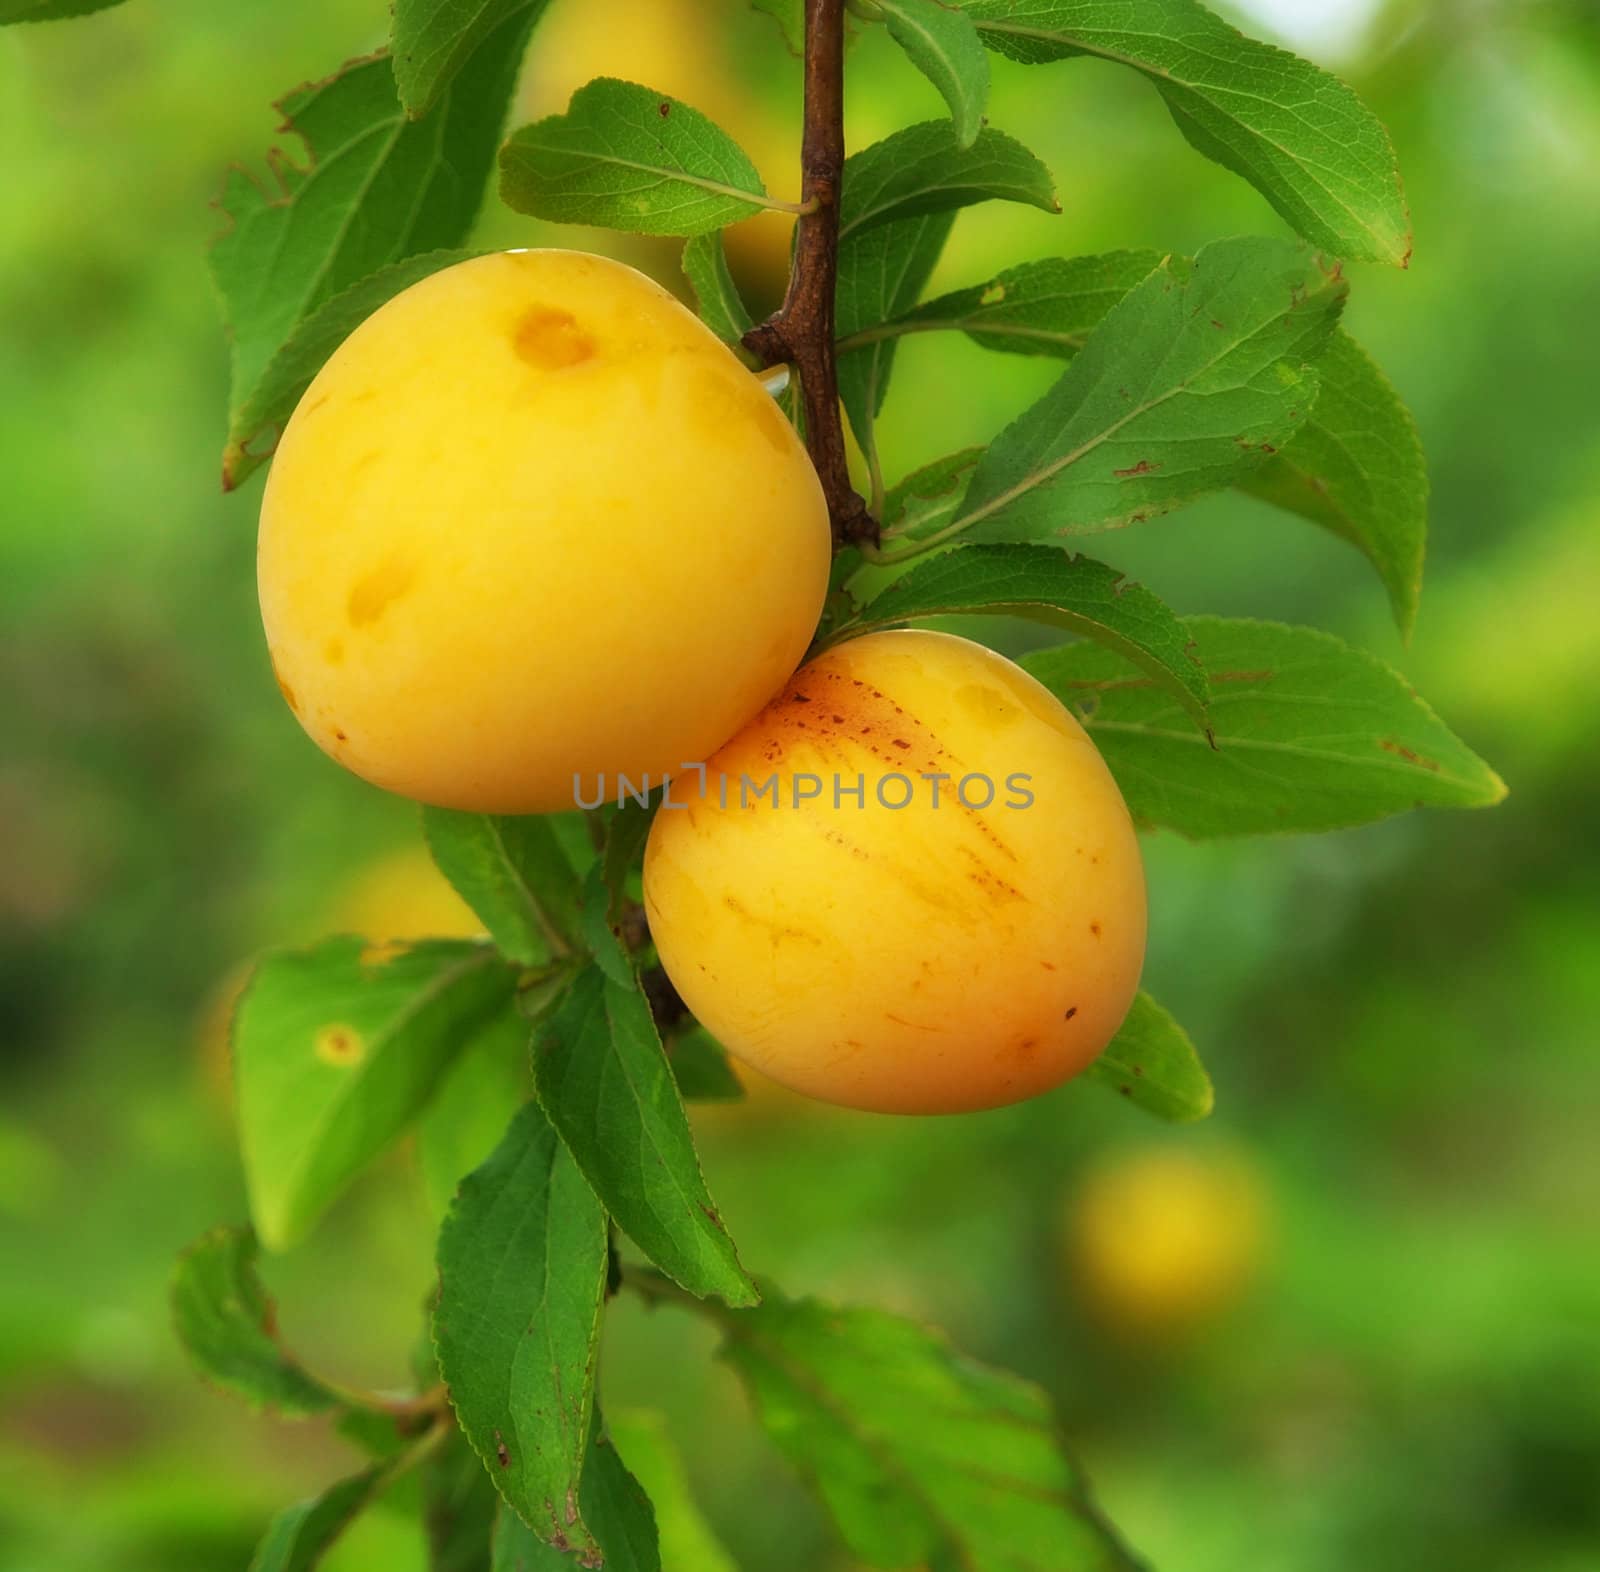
(1399, 1020)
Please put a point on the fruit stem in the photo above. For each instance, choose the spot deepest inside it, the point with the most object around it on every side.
(801, 331)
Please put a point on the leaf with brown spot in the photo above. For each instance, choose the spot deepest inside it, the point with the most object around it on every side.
(1088, 456)
(1152, 1062)
(310, 1118)
(614, 160)
(522, 1271)
(612, 1504)
(1310, 734)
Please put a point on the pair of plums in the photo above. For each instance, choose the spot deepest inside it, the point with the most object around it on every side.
(534, 536)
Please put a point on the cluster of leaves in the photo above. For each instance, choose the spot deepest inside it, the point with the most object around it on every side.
(1181, 376)
(548, 1117)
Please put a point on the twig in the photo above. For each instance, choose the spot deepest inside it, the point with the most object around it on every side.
(410, 1413)
(656, 1288)
(801, 331)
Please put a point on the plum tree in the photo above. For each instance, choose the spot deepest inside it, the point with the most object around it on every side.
(910, 884)
(534, 525)
(439, 499)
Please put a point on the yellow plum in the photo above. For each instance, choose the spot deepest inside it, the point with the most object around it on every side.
(910, 884)
(532, 523)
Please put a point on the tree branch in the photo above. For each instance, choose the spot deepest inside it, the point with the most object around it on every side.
(801, 331)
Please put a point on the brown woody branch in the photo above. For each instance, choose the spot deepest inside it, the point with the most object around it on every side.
(801, 331)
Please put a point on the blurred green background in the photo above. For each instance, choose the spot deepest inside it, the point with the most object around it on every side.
(1352, 1322)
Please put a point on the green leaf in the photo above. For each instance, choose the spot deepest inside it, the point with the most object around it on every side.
(688, 1543)
(431, 40)
(459, 1507)
(537, 991)
(882, 272)
(304, 353)
(1357, 468)
(1152, 1063)
(376, 188)
(705, 265)
(1048, 585)
(1040, 308)
(616, 1499)
(842, 601)
(574, 832)
(700, 1067)
(511, 870)
(611, 1502)
(923, 169)
(626, 157)
(518, 1549)
(1310, 735)
(226, 1321)
(300, 1536)
(600, 935)
(921, 1456)
(605, 888)
(626, 832)
(1195, 378)
(791, 20)
(335, 1051)
(489, 1081)
(942, 43)
(50, 10)
(927, 499)
(522, 1271)
(1296, 133)
(605, 1083)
